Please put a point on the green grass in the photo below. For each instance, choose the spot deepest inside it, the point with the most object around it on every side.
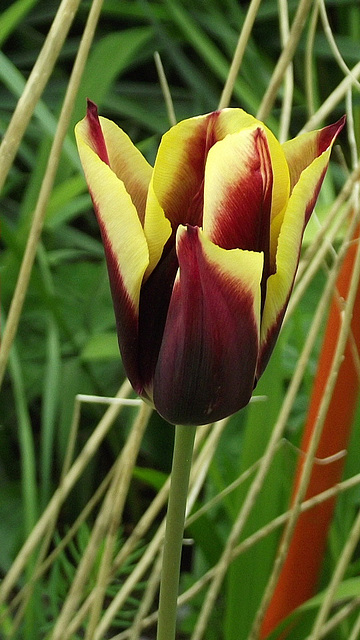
(66, 342)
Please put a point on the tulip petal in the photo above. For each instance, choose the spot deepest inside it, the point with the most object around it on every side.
(176, 189)
(180, 163)
(238, 193)
(279, 284)
(157, 229)
(242, 193)
(301, 151)
(115, 148)
(207, 360)
(124, 242)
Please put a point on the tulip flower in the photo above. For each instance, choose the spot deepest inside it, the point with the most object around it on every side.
(201, 250)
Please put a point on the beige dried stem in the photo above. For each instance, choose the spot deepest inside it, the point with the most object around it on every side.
(106, 526)
(285, 58)
(15, 131)
(76, 470)
(239, 53)
(313, 445)
(286, 106)
(35, 85)
(200, 466)
(117, 495)
(246, 544)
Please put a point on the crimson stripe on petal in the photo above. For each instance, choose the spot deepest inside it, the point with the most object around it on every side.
(96, 134)
(126, 313)
(238, 191)
(302, 151)
(328, 134)
(207, 360)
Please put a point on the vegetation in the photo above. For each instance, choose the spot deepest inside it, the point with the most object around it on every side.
(83, 485)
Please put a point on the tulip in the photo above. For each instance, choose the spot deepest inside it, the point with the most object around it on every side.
(201, 250)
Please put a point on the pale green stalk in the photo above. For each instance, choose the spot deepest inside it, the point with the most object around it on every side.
(169, 587)
(200, 467)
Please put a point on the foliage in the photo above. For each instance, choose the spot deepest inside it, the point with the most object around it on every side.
(65, 342)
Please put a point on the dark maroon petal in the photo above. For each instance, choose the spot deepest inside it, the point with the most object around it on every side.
(154, 304)
(207, 359)
(126, 314)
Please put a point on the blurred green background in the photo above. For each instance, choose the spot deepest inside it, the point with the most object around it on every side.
(66, 341)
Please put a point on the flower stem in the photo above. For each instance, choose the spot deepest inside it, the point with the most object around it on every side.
(180, 473)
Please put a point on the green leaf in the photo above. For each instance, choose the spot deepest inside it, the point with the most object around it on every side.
(109, 58)
(12, 16)
(103, 346)
(153, 478)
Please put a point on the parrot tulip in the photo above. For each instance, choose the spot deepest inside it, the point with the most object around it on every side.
(201, 251)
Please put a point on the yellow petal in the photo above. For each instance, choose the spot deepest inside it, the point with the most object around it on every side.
(176, 189)
(301, 151)
(180, 162)
(124, 158)
(157, 229)
(128, 164)
(279, 284)
(238, 191)
(123, 236)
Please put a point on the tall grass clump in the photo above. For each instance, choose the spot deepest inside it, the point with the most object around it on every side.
(85, 465)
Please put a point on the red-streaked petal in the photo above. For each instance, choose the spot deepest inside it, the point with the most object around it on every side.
(279, 284)
(301, 151)
(124, 243)
(177, 186)
(238, 192)
(115, 148)
(208, 355)
(92, 132)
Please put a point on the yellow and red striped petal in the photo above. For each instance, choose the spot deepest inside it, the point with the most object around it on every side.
(124, 242)
(238, 193)
(180, 163)
(115, 148)
(176, 190)
(206, 365)
(301, 151)
(279, 284)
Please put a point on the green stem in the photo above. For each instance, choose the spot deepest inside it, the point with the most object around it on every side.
(180, 473)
